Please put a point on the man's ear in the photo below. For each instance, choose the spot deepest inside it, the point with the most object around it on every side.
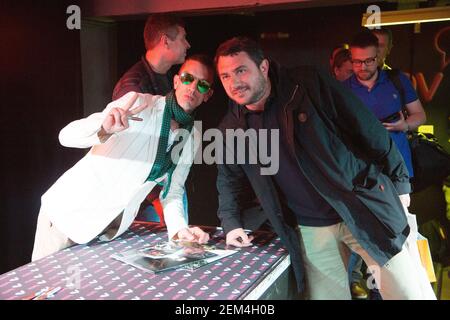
(164, 41)
(264, 67)
(335, 71)
(176, 81)
(208, 95)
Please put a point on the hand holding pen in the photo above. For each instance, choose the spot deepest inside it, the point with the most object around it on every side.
(193, 234)
(117, 119)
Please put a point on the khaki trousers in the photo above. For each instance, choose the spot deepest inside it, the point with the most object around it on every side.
(325, 252)
(49, 239)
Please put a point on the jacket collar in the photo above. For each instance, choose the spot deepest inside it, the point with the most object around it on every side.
(147, 66)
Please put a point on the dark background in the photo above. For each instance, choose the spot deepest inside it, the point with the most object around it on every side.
(41, 90)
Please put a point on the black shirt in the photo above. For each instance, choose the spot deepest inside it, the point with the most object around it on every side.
(141, 78)
(308, 206)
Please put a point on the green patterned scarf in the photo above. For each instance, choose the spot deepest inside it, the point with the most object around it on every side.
(163, 161)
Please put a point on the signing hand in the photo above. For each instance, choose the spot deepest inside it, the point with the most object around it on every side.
(194, 234)
(399, 125)
(117, 119)
(238, 238)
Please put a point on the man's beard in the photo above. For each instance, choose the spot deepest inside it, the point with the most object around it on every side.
(258, 94)
(366, 76)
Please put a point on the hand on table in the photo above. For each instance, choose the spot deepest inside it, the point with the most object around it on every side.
(238, 238)
(193, 234)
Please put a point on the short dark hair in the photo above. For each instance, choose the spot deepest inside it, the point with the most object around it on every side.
(384, 32)
(204, 60)
(340, 57)
(336, 49)
(158, 25)
(240, 44)
(364, 39)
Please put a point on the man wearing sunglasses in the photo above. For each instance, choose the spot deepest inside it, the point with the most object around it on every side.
(139, 141)
(338, 181)
(166, 46)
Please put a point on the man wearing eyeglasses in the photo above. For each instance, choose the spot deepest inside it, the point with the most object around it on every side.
(379, 94)
(338, 180)
(139, 141)
(373, 86)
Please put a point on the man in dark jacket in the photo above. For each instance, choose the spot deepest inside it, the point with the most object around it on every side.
(340, 175)
(166, 45)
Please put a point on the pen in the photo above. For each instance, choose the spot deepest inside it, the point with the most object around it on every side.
(37, 294)
(52, 293)
(134, 118)
(45, 294)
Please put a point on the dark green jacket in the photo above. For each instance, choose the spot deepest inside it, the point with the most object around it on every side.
(344, 152)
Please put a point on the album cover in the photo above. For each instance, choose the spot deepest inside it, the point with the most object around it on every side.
(172, 255)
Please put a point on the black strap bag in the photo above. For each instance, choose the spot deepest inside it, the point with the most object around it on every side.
(431, 162)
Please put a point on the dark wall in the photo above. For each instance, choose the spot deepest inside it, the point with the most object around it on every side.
(40, 92)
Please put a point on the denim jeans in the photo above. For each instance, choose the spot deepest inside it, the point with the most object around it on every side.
(354, 268)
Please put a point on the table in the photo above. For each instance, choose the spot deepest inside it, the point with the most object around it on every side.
(87, 272)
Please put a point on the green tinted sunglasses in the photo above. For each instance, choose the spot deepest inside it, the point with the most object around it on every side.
(203, 86)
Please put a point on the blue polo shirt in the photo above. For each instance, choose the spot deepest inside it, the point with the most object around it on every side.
(384, 100)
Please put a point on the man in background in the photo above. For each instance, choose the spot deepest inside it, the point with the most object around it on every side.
(385, 44)
(375, 87)
(340, 63)
(166, 45)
